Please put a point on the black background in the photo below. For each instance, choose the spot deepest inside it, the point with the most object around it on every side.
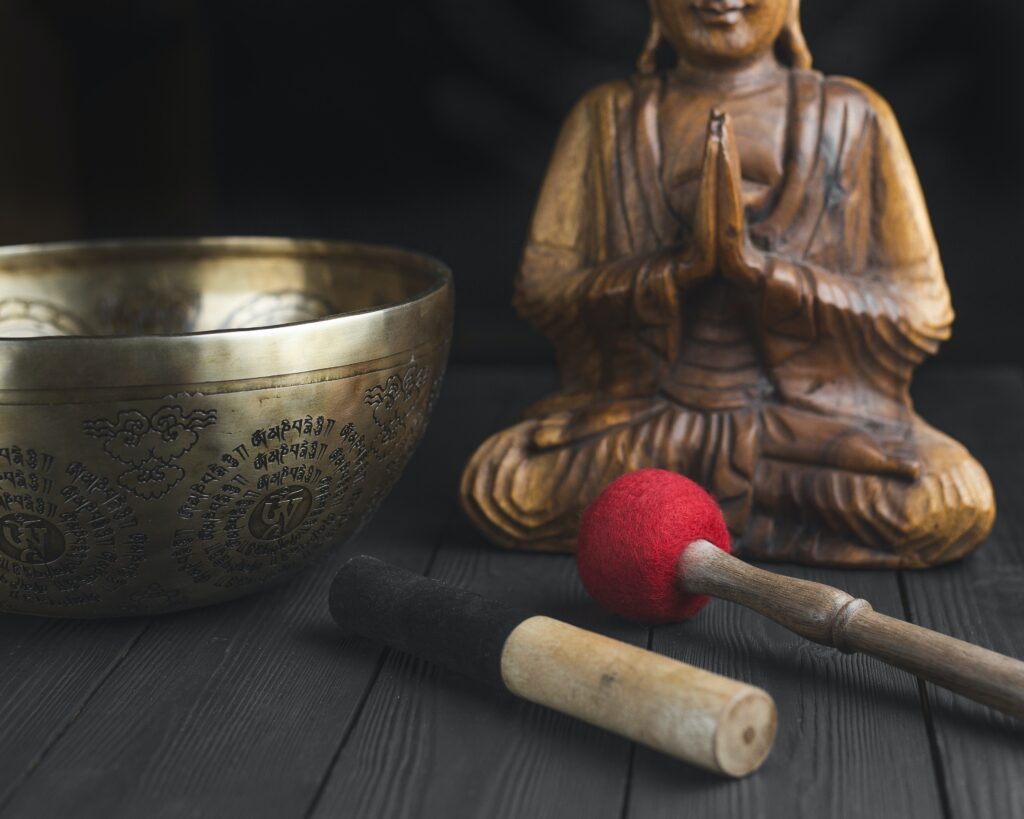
(428, 123)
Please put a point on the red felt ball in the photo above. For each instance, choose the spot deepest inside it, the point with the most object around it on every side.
(632, 536)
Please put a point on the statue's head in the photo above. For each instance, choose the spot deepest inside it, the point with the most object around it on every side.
(727, 32)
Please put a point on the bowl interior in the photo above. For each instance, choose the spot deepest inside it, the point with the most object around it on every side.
(197, 286)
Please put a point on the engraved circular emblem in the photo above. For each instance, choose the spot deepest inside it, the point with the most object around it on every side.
(288, 490)
(69, 538)
(30, 539)
(280, 513)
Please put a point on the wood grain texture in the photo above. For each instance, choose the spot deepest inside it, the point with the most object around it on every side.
(50, 671)
(981, 599)
(701, 718)
(434, 744)
(851, 739)
(239, 709)
(833, 617)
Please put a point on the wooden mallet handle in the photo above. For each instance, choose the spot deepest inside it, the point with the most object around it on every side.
(834, 618)
(694, 715)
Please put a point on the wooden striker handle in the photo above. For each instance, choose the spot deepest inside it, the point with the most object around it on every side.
(834, 618)
(699, 717)
(694, 715)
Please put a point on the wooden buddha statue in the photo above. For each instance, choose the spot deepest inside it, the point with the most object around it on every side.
(735, 264)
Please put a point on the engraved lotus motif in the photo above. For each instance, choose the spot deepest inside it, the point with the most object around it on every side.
(387, 400)
(151, 445)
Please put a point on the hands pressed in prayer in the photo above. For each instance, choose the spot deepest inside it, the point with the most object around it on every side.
(738, 260)
(721, 240)
(700, 261)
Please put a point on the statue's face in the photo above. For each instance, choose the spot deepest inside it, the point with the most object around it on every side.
(717, 32)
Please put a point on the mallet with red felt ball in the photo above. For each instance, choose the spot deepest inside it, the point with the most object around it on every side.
(654, 546)
(694, 715)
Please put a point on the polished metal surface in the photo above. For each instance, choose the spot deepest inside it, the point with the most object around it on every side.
(184, 422)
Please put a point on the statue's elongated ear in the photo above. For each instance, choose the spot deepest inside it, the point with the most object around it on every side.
(792, 45)
(648, 60)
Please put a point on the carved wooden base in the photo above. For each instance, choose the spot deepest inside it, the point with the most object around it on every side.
(527, 486)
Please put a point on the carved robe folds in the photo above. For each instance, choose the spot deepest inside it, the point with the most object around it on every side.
(789, 402)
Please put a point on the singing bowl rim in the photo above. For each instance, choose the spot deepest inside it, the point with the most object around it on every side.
(244, 354)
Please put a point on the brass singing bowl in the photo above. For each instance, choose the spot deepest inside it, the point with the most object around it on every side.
(185, 422)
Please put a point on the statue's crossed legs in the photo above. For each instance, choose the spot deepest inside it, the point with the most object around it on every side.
(824, 492)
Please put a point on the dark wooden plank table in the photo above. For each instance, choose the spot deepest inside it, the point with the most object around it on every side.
(261, 708)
